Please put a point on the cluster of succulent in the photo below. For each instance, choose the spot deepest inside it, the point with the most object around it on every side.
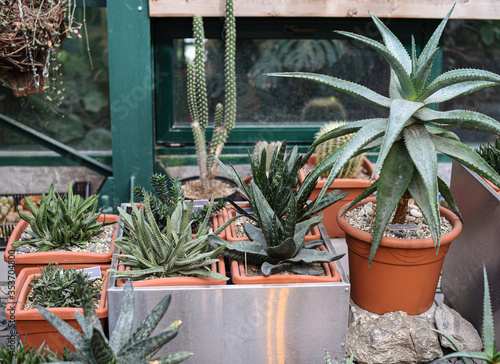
(279, 184)
(6, 204)
(56, 287)
(168, 192)
(491, 154)
(412, 136)
(323, 150)
(172, 251)
(278, 245)
(21, 353)
(123, 346)
(61, 221)
(225, 117)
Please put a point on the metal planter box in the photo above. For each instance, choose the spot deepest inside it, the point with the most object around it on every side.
(462, 275)
(279, 323)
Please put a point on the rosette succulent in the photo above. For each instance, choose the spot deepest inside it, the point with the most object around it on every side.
(411, 136)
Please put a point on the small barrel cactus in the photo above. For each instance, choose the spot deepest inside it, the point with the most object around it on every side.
(325, 149)
(269, 147)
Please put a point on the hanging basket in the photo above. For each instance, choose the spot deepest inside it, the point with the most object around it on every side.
(27, 40)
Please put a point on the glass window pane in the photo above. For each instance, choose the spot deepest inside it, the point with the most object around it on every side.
(74, 109)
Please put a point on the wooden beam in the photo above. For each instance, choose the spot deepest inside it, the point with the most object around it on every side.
(428, 9)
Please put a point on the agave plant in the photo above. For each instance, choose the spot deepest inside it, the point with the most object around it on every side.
(61, 222)
(279, 185)
(490, 354)
(278, 246)
(172, 251)
(410, 138)
(123, 346)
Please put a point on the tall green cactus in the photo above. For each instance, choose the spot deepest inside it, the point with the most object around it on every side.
(225, 117)
(325, 149)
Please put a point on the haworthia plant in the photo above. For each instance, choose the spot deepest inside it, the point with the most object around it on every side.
(61, 221)
(225, 117)
(170, 252)
(279, 245)
(123, 346)
(411, 137)
(279, 184)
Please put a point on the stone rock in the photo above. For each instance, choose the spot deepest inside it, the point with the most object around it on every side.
(415, 213)
(92, 248)
(23, 249)
(451, 323)
(394, 337)
(411, 218)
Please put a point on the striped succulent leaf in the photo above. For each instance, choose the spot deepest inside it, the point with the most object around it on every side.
(123, 347)
(412, 128)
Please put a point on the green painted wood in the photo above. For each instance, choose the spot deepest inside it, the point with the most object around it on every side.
(31, 158)
(56, 146)
(131, 95)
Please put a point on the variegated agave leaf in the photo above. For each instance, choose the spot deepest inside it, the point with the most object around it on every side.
(411, 129)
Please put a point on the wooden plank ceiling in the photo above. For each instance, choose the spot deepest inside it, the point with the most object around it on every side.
(465, 9)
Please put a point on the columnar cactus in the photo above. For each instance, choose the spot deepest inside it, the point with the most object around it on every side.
(326, 148)
(225, 117)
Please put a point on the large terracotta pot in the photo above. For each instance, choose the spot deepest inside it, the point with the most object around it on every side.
(404, 273)
(31, 324)
(352, 186)
(20, 261)
(218, 267)
(238, 275)
(231, 235)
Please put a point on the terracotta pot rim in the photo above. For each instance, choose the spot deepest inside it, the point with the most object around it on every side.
(66, 256)
(341, 182)
(218, 267)
(67, 313)
(401, 243)
(497, 189)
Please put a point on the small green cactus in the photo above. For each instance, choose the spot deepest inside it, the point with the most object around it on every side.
(269, 147)
(225, 117)
(325, 149)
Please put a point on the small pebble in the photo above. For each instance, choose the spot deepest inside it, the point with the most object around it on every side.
(415, 212)
(413, 206)
(92, 248)
(368, 210)
(411, 218)
(23, 249)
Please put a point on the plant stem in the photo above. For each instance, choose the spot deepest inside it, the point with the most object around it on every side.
(400, 215)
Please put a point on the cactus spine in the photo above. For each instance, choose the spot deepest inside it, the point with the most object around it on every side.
(225, 117)
(326, 148)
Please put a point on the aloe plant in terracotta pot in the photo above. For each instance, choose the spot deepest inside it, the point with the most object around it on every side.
(409, 140)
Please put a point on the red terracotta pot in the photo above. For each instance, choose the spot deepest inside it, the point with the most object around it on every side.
(219, 267)
(352, 186)
(231, 235)
(21, 261)
(238, 275)
(404, 273)
(31, 324)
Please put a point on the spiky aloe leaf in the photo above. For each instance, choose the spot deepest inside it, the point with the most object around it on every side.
(421, 150)
(457, 77)
(172, 358)
(445, 191)
(150, 345)
(466, 156)
(456, 90)
(252, 252)
(423, 73)
(88, 305)
(254, 233)
(394, 179)
(428, 206)
(488, 330)
(304, 227)
(268, 269)
(433, 42)
(399, 118)
(405, 83)
(340, 131)
(343, 86)
(463, 119)
(366, 193)
(121, 333)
